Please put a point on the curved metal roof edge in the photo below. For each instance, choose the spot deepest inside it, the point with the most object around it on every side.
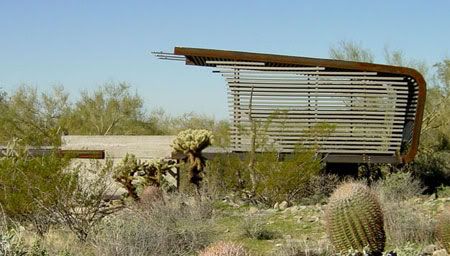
(327, 63)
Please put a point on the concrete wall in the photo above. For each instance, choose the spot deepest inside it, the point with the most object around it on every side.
(116, 147)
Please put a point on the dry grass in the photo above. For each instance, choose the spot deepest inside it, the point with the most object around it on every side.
(224, 249)
(176, 226)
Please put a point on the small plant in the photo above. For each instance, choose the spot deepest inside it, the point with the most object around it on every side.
(443, 229)
(224, 249)
(398, 186)
(354, 220)
(191, 143)
(11, 243)
(257, 229)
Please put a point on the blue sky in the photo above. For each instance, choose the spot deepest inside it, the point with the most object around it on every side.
(83, 44)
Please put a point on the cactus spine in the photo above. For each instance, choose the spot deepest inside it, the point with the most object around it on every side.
(443, 229)
(354, 220)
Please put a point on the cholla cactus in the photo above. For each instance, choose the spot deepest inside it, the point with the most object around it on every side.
(354, 220)
(132, 173)
(191, 143)
(443, 229)
(224, 249)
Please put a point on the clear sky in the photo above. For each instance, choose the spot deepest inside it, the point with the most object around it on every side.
(83, 44)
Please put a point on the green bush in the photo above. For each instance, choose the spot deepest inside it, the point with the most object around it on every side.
(28, 183)
(432, 169)
(285, 180)
(225, 173)
(289, 179)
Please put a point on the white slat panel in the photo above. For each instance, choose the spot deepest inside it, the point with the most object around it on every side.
(368, 110)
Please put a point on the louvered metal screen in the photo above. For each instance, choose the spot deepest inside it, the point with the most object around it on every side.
(370, 113)
(374, 111)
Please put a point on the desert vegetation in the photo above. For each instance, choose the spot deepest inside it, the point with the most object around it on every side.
(249, 204)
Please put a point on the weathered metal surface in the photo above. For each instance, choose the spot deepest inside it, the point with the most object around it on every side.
(81, 154)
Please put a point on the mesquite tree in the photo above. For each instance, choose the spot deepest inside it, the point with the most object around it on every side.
(191, 143)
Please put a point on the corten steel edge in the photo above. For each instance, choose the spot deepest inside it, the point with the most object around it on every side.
(409, 80)
(73, 153)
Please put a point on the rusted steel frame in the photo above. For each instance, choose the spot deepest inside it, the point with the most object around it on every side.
(193, 55)
(82, 154)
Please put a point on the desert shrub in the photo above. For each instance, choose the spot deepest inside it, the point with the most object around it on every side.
(30, 183)
(405, 222)
(432, 169)
(83, 206)
(256, 228)
(319, 188)
(398, 186)
(179, 225)
(285, 180)
(151, 195)
(225, 173)
(224, 249)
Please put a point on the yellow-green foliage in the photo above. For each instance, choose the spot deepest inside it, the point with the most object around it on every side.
(443, 229)
(192, 141)
(286, 179)
(354, 219)
(26, 180)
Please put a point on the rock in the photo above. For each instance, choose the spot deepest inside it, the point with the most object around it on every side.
(287, 237)
(271, 210)
(429, 249)
(442, 252)
(276, 206)
(253, 210)
(283, 205)
(313, 219)
(432, 197)
(294, 208)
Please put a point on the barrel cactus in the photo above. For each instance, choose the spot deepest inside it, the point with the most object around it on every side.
(354, 220)
(443, 229)
(191, 143)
